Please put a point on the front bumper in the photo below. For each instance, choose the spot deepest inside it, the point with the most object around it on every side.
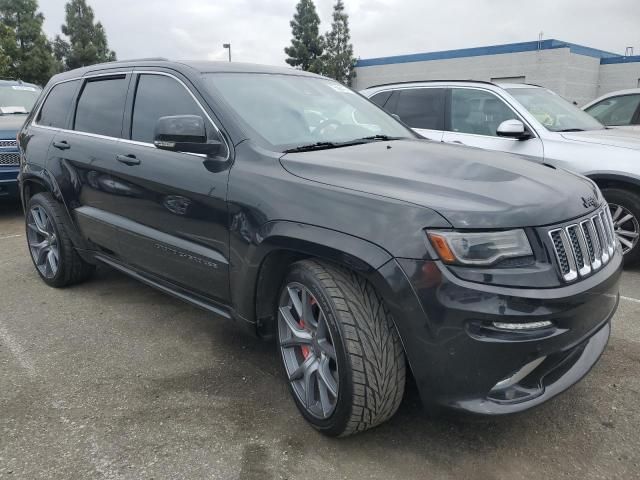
(461, 361)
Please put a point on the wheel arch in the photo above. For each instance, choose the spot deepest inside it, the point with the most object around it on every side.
(283, 243)
(612, 180)
(33, 181)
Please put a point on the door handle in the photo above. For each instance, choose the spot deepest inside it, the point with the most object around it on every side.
(128, 159)
(62, 145)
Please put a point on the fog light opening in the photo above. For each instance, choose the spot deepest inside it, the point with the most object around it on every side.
(523, 326)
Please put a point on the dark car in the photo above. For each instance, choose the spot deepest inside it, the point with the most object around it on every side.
(16, 101)
(294, 206)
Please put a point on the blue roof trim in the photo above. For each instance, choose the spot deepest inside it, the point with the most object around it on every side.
(608, 61)
(548, 44)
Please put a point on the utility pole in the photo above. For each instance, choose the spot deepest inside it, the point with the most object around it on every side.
(227, 46)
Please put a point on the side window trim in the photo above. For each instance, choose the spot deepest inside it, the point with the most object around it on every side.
(449, 104)
(130, 103)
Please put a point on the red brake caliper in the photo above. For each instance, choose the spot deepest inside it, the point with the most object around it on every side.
(305, 349)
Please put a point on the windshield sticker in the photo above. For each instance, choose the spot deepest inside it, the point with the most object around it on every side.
(25, 88)
(16, 109)
(340, 88)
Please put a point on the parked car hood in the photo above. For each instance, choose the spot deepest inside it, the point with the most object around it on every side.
(10, 124)
(615, 137)
(471, 188)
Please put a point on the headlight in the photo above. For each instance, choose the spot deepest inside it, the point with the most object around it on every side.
(480, 248)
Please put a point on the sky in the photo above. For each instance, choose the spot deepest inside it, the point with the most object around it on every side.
(258, 30)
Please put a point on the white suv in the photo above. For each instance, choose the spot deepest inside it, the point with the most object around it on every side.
(531, 121)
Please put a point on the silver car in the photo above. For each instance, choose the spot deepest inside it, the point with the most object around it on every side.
(619, 109)
(533, 122)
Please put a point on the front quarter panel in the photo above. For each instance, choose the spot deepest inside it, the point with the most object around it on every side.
(270, 208)
(591, 159)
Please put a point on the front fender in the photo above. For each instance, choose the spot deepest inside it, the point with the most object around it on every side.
(278, 240)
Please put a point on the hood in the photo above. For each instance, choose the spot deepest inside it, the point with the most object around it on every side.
(615, 137)
(10, 124)
(471, 188)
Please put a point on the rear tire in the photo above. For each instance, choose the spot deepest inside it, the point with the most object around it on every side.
(622, 204)
(369, 363)
(51, 249)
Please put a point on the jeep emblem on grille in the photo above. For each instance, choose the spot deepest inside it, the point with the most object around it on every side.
(589, 202)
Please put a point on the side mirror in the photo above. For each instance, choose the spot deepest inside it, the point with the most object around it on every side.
(396, 116)
(513, 129)
(184, 133)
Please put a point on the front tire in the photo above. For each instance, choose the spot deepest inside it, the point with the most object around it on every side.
(625, 211)
(340, 349)
(51, 249)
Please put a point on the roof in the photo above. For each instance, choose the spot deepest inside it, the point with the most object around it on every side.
(184, 67)
(549, 44)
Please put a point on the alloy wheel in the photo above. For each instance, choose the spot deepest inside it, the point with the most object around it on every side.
(43, 243)
(626, 227)
(308, 350)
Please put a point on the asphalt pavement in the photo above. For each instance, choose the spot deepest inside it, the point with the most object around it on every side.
(114, 380)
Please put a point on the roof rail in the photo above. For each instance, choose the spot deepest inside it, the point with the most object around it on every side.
(146, 59)
(429, 81)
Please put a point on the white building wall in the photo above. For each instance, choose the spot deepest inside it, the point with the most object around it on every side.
(575, 77)
(618, 76)
(544, 66)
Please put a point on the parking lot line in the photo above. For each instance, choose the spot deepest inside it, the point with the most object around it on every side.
(630, 299)
(18, 352)
(10, 236)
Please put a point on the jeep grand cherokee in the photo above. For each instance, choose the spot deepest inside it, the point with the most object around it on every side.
(292, 205)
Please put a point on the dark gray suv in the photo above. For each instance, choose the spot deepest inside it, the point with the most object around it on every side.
(295, 207)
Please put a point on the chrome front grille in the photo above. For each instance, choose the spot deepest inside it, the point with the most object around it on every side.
(584, 247)
(8, 144)
(9, 159)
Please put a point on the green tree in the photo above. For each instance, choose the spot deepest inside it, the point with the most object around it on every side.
(87, 44)
(25, 52)
(307, 44)
(339, 62)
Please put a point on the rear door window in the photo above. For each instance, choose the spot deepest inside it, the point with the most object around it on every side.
(101, 106)
(56, 107)
(422, 107)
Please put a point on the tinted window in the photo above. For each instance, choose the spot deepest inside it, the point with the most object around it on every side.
(422, 108)
(477, 112)
(159, 96)
(616, 110)
(56, 107)
(381, 98)
(101, 106)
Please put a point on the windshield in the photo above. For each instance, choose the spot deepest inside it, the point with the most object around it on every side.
(553, 111)
(17, 98)
(290, 111)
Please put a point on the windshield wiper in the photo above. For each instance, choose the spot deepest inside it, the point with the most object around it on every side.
(571, 130)
(380, 137)
(313, 146)
(349, 143)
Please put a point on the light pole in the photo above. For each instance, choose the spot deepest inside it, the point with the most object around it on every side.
(227, 45)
